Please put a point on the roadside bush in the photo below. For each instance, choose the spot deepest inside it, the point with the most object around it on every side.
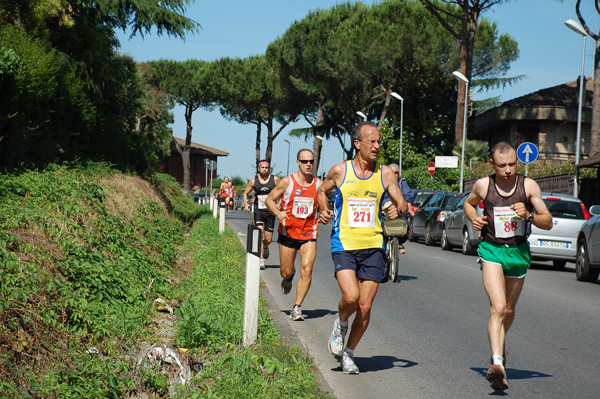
(82, 249)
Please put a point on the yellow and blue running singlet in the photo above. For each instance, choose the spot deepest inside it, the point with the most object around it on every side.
(357, 209)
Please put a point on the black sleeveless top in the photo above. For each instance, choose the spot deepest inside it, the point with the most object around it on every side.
(262, 190)
(518, 229)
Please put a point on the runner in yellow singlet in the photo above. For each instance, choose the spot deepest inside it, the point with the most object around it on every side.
(357, 245)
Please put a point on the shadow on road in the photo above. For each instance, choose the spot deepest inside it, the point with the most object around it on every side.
(378, 363)
(313, 314)
(514, 374)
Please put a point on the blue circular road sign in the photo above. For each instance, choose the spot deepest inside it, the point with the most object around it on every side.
(527, 152)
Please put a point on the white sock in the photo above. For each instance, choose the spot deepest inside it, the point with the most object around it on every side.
(350, 352)
(497, 359)
(343, 324)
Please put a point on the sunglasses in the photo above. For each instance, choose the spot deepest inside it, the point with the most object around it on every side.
(305, 161)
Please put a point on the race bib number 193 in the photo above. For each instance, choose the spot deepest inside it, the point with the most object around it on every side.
(303, 207)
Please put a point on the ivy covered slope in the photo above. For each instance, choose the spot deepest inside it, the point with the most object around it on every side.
(82, 250)
(85, 251)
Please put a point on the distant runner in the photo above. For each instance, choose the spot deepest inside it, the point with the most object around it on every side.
(262, 185)
(225, 192)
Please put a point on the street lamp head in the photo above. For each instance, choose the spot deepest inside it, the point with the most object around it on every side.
(286, 141)
(396, 95)
(460, 76)
(575, 27)
(361, 115)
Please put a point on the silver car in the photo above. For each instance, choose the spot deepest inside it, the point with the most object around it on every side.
(587, 265)
(458, 230)
(559, 244)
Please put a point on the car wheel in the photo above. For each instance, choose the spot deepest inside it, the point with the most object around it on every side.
(582, 265)
(411, 235)
(467, 248)
(559, 264)
(428, 238)
(444, 241)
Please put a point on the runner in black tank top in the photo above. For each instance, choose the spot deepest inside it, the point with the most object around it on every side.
(508, 200)
(495, 199)
(261, 217)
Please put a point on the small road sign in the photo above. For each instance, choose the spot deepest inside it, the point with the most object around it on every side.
(527, 152)
(431, 168)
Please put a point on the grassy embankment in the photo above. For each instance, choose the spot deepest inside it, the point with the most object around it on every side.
(84, 252)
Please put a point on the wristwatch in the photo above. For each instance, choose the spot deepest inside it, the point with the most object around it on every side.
(530, 217)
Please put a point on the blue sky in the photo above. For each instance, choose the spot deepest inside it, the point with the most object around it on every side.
(550, 54)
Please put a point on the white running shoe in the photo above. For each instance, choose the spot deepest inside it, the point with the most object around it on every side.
(336, 340)
(262, 264)
(296, 314)
(348, 364)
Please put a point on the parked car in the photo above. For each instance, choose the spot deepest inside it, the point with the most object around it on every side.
(559, 244)
(587, 263)
(420, 196)
(238, 203)
(428, 221)
(458, 229)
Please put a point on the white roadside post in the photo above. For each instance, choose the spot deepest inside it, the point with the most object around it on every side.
(254, 239)
(214, 205)
(222, 207)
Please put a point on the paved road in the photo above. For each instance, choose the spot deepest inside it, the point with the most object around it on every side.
(427, 337)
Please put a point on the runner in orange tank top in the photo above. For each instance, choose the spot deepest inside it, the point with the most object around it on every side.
(298, 226)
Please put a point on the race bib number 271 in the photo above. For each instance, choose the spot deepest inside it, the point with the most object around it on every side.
(361, 212)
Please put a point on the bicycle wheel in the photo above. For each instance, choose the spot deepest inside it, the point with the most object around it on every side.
(387, 258)
(394, 259)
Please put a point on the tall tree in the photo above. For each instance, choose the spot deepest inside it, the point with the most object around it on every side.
(190, 84)
(251, 91)
(461, 22)
(300, 53)
(595, 133)
(89, 93)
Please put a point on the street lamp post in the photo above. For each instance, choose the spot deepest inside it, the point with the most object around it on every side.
(288, 161)
(396, 95)
(464, 135)
(578, 29)
(361, 115)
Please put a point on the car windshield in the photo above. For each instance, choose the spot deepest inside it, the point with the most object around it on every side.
(421, 198)
(450, 202)
(564, 209)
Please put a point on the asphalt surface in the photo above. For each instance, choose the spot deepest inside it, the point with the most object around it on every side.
(428, 333)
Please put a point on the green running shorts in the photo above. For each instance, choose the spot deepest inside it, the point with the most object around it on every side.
(514, 259)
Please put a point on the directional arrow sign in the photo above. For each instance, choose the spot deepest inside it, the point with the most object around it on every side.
(527, 152)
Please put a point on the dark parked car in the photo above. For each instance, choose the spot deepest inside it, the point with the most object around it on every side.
(428, 221)
(587, 264)
(458, 230)
(419, 197)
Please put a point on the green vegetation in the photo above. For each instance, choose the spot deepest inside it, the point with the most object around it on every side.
(85, 251)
